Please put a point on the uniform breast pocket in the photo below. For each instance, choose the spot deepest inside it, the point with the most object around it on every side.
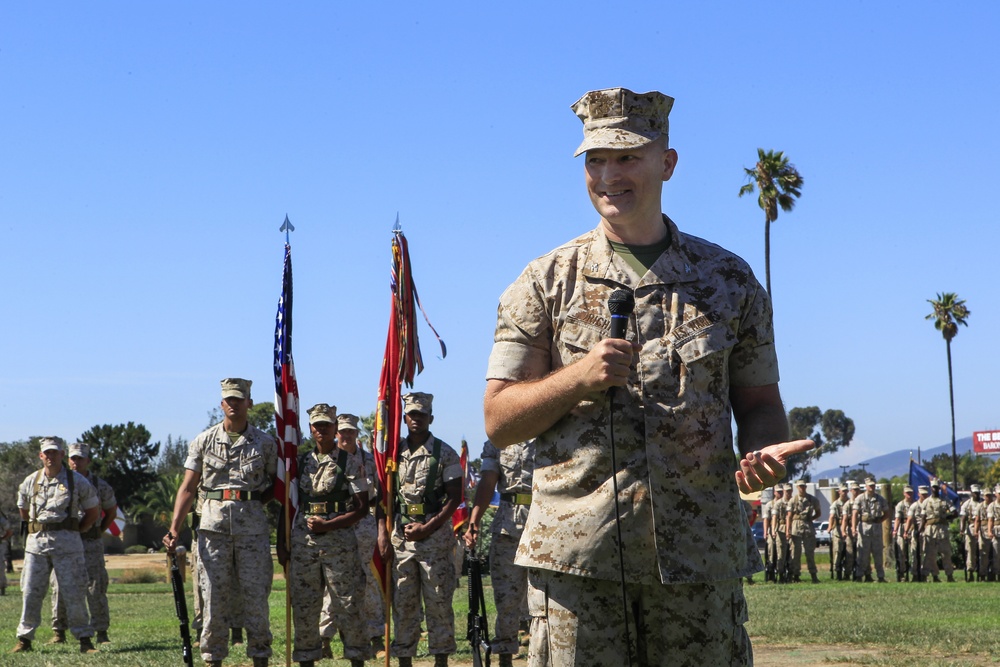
(575, 340)
(252, 470)
(704, 356)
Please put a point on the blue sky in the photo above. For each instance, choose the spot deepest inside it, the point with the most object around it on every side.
(150, 152)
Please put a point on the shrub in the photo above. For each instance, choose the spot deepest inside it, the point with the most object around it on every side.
(142, 576)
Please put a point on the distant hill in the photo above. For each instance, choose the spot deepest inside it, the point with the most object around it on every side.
(898, 462)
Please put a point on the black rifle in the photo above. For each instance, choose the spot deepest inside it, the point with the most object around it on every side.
(918, 574)
(478, 626)
(180, 602)
(964, 555)
(768, 560)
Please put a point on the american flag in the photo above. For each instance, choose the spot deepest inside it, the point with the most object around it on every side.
(286, 394)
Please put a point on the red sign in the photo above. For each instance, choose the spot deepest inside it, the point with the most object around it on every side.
(986, 442)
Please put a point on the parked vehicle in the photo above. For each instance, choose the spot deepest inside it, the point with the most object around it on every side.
(822, 533)
(758, 534)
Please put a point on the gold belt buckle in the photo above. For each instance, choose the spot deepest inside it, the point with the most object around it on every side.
(317, 508)
(415, 509)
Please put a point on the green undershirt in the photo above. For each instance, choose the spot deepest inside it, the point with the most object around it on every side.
(640, 258)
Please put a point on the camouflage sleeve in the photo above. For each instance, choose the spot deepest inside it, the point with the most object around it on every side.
(106, 495)
(450, 464)
(522, 341)
(195, 454)
(24, 492)
(270, 456)
(490, 458)
(86, 494)
(754, 361)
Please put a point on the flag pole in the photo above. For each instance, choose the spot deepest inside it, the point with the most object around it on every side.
(287, 227)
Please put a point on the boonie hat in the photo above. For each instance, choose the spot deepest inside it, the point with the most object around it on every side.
(51, 442)
(617, 118)
(235, 388)
(418, 401)
(321, 412)
(347, 422)
(79, 449)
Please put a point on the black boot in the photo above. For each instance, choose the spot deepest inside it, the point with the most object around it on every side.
(406, 662)
(441, 660)
(87, 646)
(506, 660)
(260, 662)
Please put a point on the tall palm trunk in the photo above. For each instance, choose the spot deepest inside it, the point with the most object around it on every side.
(767, 251)
(951, 397)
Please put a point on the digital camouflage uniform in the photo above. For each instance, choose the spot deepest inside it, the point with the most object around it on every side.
(327, 561)
(366, 532)
(850, 541)
(61, 550)
(233, 536)
(514, 466)
(424, 569)
(837, 537)
(779, 513)
(993, 513)
(917, 538)
(937, 514)
(803, 510)
(902, 511)
(986, 571)
(968, 513)
(872, 511)
(765, 517)
(704, 324)
(97, 572)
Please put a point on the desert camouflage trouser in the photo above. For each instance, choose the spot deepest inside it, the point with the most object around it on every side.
(986, 558)
(804, 542)
(71, 573)
(373, 608)
(870, 544)
(578, 622)
(424, 569)
(510, 592)
(936, 542)
(236, 574)
(972, 559)
(335, 569)
(97, 590)
(839, 559)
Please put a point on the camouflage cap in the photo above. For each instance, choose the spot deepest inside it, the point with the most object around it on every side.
(935, 483)
(617, 118)
(997, 488)
(990, 491)
(321, 412)
(851, 484)
(79, 449)
(975, 488)
(788, 487)
(843, 487)
(907, 489)
(51, 442)
(870, 482)
(801, 482)
(417, 401)
(347, 422)
(923, 488)
(235, 388)
(778, 488)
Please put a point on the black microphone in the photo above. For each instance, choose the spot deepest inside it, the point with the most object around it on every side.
(621, 303)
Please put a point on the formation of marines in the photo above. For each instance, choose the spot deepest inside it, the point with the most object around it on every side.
(920, 541)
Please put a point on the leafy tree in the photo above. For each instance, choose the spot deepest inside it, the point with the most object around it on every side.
(17, 460)
(366, 432)
(949, 311)
(830, 430)
(157, 500)
(261, 416)
(123, 455)
(172, 457)
(778, 184)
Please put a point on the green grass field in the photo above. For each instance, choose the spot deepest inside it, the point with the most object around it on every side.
(900, 624)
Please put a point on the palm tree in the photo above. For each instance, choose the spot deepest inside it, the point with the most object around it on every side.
(779, 184)
(949, 312)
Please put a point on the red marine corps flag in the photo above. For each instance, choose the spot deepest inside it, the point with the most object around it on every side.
(401, 363)
(461, 515)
